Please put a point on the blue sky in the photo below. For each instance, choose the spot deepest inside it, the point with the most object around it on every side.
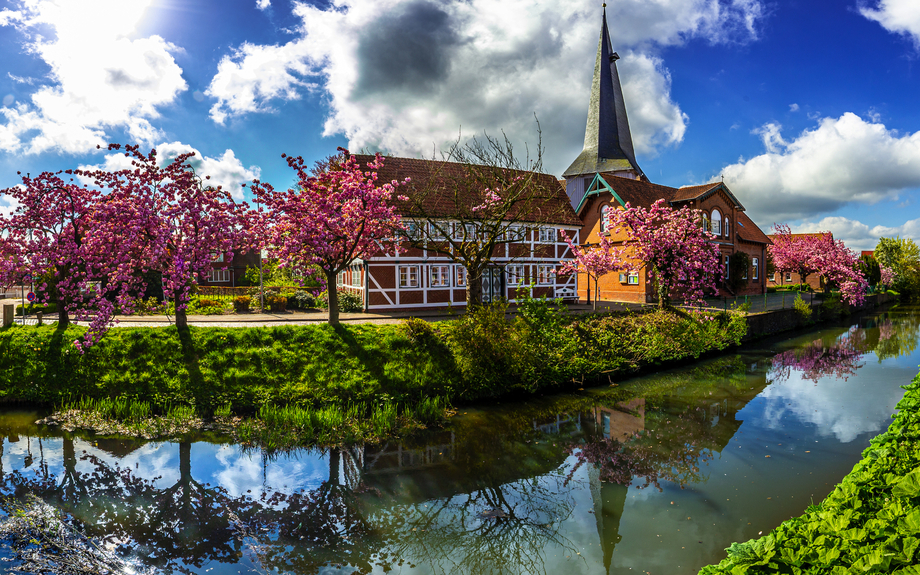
(808, 108)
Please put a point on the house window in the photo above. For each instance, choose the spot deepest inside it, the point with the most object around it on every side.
(218, 275)
(788, 276)
(716, 222)
(439, 276)
(408, 276)
(216, 257)
(548, 235)
(633, 278)
(459, 276)
(622, 277)
(726, 267)
(412, 230)
(516, 233)
(515, 275)
(356, 276)
(728, 228)
(436, 230)
(545, 274)
(605, 214)
(756, 266)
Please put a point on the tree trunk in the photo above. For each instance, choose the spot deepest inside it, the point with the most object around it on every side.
(595, 294)
(181, 316)
(63, 316)
(473, 290)
(332, 297)
(664, 301)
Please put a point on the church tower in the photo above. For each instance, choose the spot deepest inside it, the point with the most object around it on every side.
(608, 143)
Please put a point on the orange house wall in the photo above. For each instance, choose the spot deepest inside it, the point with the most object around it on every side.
(610, 288)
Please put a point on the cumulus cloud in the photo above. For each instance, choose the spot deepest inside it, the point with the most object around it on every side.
(857, 235)
(263, 4)
(842, 160)
(793, 107)
(898, 16)
(406, 75)
(226, 170)
(99, 78)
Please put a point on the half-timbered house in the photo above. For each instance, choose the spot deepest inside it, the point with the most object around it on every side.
(413, 275)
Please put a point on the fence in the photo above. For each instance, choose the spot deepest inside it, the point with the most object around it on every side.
(760, 303)
(228, 293)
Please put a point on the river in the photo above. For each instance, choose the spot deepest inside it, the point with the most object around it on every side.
(656, 474)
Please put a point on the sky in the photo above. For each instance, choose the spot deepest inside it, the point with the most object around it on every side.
(807, 108)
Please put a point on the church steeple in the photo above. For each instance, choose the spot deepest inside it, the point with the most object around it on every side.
(608, 143)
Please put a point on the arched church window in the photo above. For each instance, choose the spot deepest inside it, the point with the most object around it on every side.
(716, 222)
(728, 227)
(605, 215)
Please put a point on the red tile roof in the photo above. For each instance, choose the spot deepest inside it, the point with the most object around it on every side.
(454, 189)
(748, 231)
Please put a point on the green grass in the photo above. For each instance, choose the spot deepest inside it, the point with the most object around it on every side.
(870, 523)
(346, 383)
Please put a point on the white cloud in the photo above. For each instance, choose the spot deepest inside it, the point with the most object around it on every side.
(793, 107)
(263, 4)
(898, 16)
(226, 170)
(857, 235)
(100, 79)
(7, 205)
(406, 75)
(842, 160)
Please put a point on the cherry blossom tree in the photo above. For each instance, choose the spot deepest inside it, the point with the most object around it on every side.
(669, 242)
(807, 254)
(186, 224)
(593, 260)
(83, 247)
(888, 276)
(335, 214)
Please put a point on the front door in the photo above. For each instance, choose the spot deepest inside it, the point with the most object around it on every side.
(493, 284)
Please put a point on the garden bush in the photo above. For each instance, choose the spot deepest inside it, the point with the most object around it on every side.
(241, 303)
(349, 302)
(32, 308)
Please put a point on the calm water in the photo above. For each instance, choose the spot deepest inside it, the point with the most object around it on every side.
(653, 475)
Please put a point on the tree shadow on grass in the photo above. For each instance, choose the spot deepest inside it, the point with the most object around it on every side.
(201, 392)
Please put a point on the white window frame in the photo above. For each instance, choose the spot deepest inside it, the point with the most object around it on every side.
(716, 220)
(356, 276)
(217, 275)
(433, 232)
(624, 278)
(218, 257)
(439, 276)
(605, 217)
(632, 278)
(546, 274)
(756, 268)
(547, 235)
(728, 227)
(413, 229)
(459, 276)
(515, 273)
(408, 277)
(788, 276)
(726, 268)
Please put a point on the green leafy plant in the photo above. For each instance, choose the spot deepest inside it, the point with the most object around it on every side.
(349, 302)
(242, 303)
(802, 307)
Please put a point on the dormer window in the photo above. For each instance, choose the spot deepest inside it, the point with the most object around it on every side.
(716, 222)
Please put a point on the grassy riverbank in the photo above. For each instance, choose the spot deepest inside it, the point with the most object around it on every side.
(321, 378)
(870, 523)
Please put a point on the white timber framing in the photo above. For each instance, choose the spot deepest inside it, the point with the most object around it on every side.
(395, 297)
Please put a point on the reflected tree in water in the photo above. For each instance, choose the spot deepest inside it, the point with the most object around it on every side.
(897, 337)
(819, 359)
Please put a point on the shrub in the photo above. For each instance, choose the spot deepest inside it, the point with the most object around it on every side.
(349, 302)
(802, 307)
(242, 303)
(302, 300)
(208, 302)
(276, 303)
(832, 306)
(418, 330)
(32, 308)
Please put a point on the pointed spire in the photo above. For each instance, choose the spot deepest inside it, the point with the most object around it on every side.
(608, 143)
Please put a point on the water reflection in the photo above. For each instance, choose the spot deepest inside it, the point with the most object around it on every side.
(679, 464)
